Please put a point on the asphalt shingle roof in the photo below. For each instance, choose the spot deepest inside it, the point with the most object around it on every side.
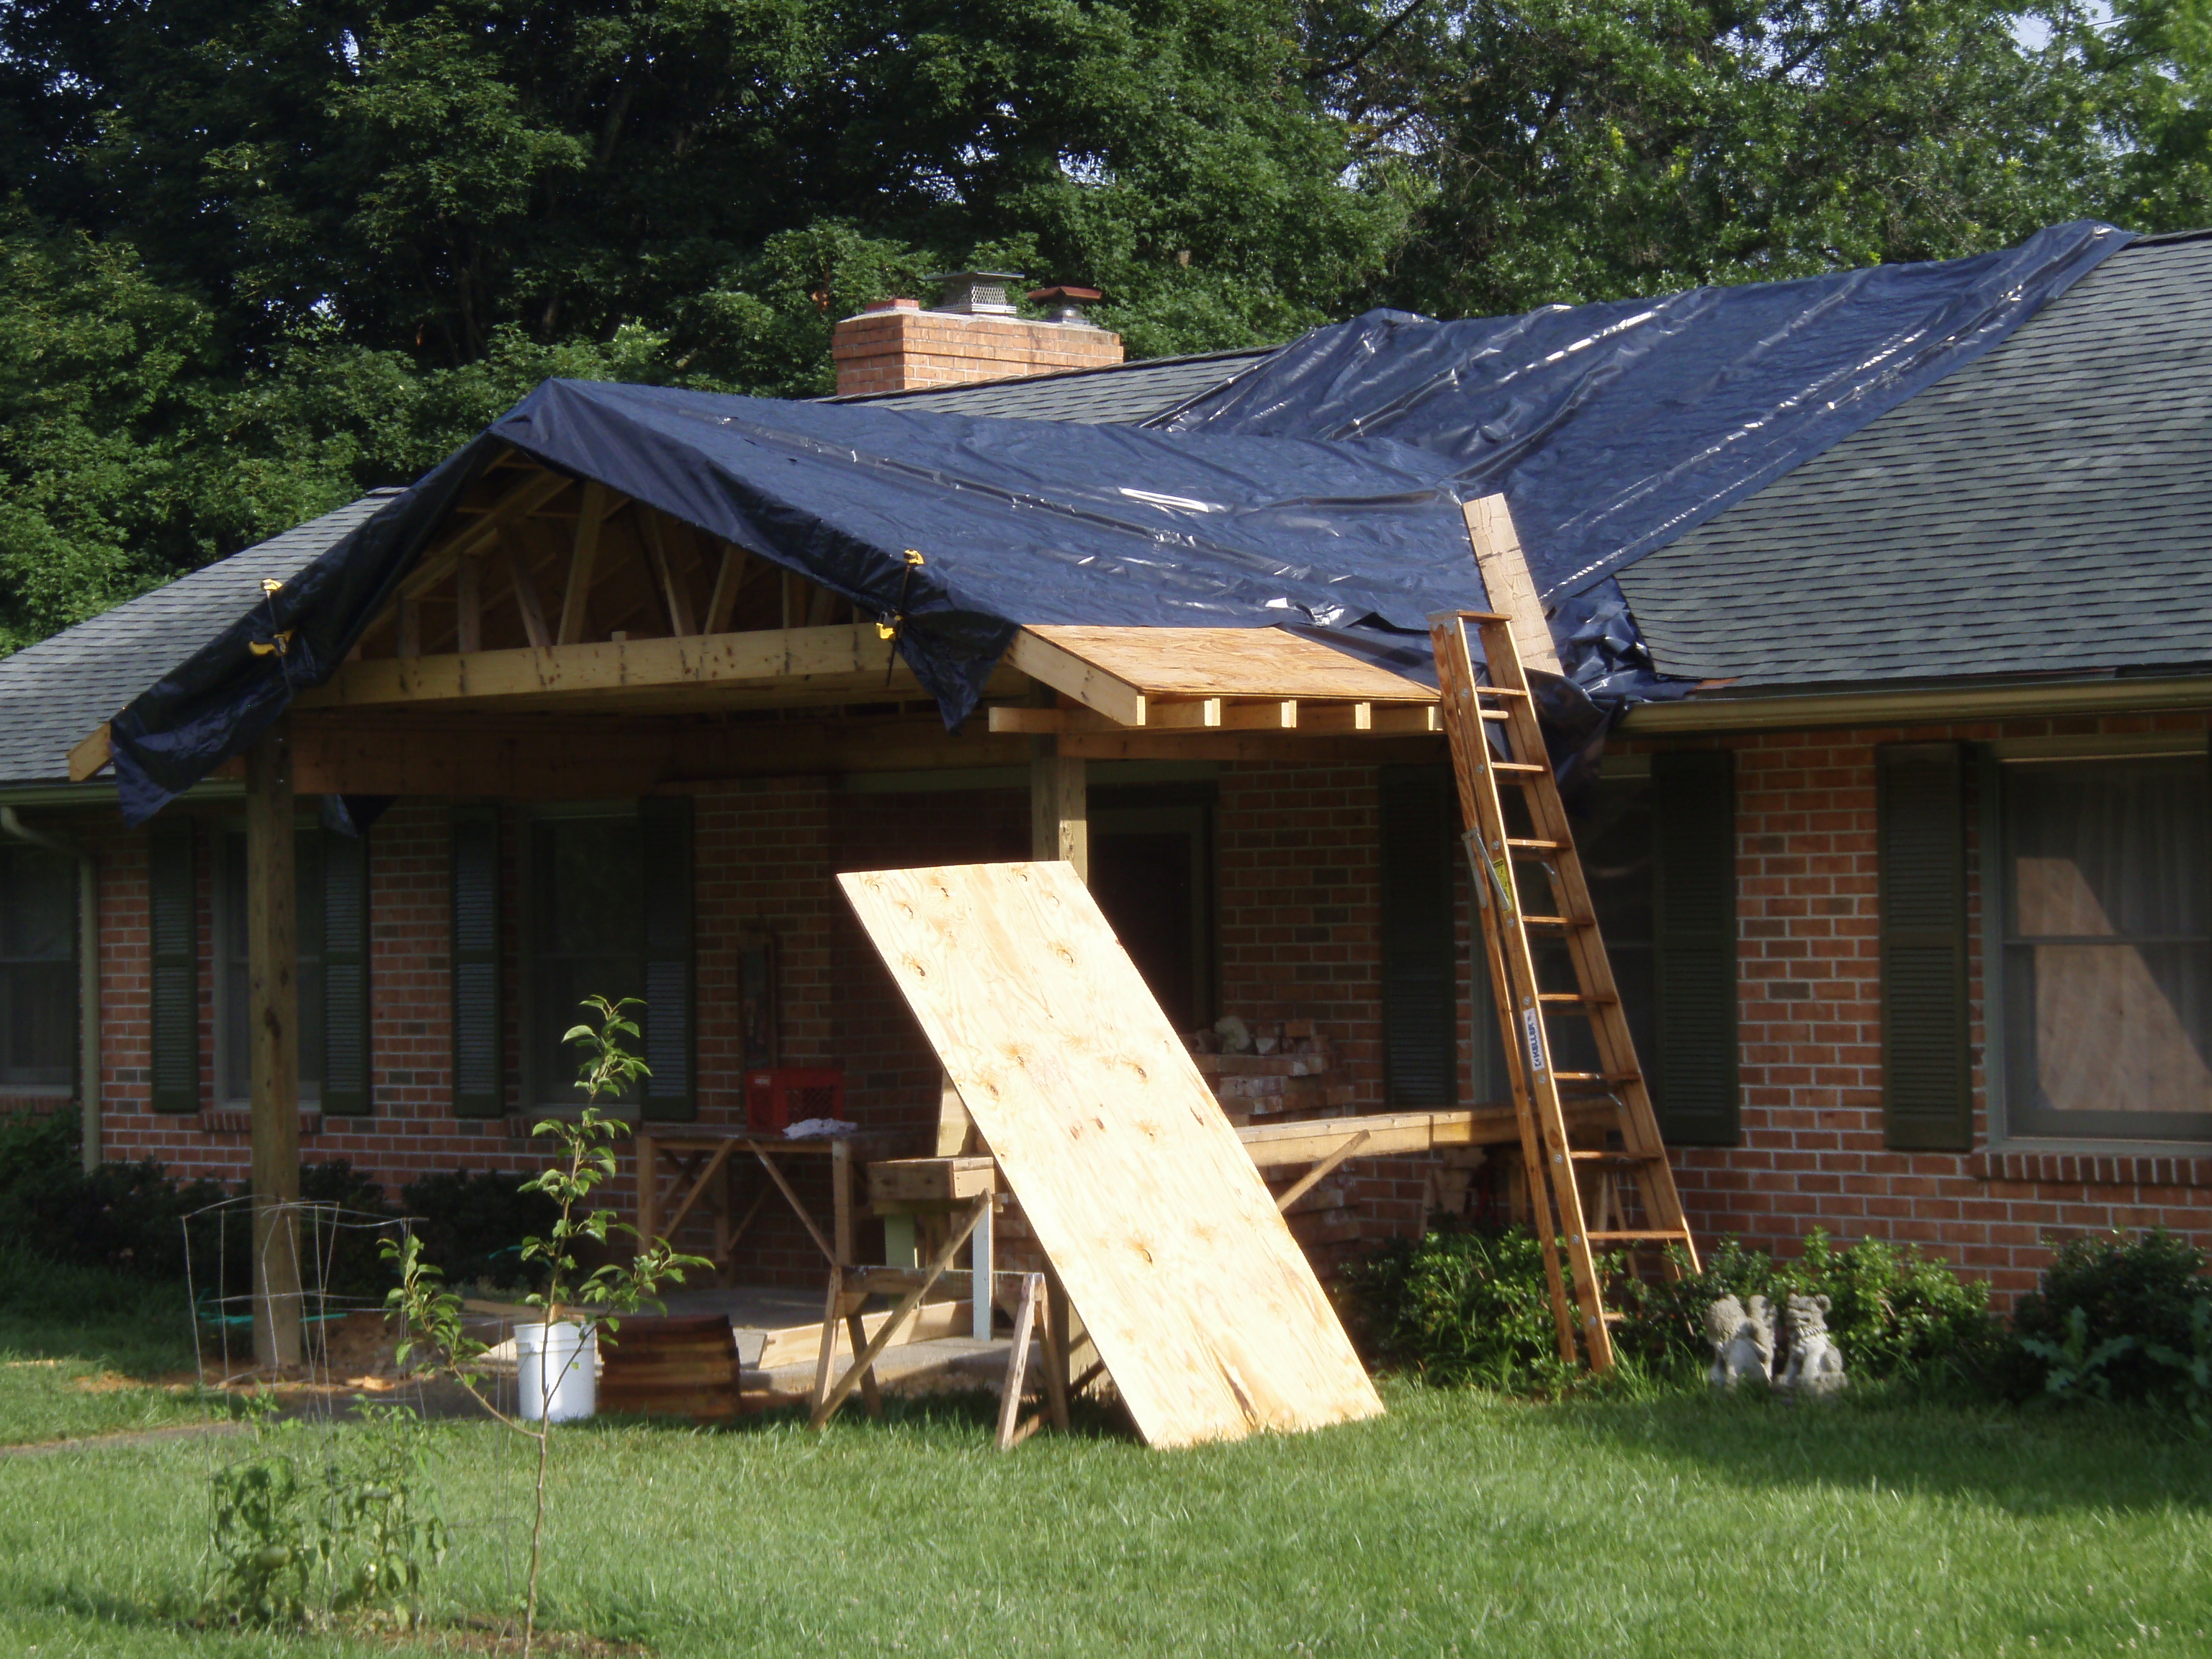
(54, 692)
(1121, 396)
(2047, 508)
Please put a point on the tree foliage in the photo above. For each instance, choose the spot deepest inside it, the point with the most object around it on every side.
(263, 254)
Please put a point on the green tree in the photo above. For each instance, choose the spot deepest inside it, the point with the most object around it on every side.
(1582, 149)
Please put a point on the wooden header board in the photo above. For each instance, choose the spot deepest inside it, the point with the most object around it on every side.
(1206, 1312)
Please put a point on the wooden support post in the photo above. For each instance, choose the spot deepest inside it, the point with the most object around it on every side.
(272, 998)
(1060, 817)
(526, 603)
(955, 1128)
(981, 1262)
(1025, 1312)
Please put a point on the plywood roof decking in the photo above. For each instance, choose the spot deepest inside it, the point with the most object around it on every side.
(1204, 1311)
(1190, 663)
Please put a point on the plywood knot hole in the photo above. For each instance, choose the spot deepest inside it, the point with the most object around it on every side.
(1063, 953)
(915, 965)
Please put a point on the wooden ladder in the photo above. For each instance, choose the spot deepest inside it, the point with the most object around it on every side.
(1611, 1103)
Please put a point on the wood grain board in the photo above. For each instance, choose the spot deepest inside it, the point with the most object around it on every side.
(1201, 1305)
(1225, 662)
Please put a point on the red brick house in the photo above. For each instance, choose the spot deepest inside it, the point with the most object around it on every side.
(1911, 900)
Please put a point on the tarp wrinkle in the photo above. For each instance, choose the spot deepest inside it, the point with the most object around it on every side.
(1320, 490)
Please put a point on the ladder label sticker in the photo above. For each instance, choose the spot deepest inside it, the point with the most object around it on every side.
(1535, 1039)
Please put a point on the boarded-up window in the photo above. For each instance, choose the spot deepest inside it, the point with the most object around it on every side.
(2107, 940)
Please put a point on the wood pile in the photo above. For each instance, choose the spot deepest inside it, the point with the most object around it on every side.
(672, 1367)
(1290, 1069)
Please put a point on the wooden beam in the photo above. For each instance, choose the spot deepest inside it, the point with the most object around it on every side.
(1271, 715)
(846, 661)
(727, 581)
(475, 535)
(526, 603)
(1350, 1147)
(272, 998)
(1333, 717)
(1506, 577)
(1059, 813)
(576, 604)
(410, 627)
(1358, 748)
(1069, 674)
(93, 752)
(468, 603)
(681, 618)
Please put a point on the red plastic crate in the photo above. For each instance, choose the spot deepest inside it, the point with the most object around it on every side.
(776, 1099)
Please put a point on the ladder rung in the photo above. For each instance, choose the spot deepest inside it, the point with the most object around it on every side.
(1531, 768)
(1576, 996)
(1534, 846)
(1678, 1235)
(1498, 691)
(1494, 714)
(1595, 1077)
(1558, 922)
(1616, 1158)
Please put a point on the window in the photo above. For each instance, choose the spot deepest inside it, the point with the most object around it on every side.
(38, 972)
(2105, 976)
(608, 906)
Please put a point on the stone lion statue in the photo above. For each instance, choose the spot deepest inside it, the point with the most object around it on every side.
(1742, 1342)
(1815, 1365)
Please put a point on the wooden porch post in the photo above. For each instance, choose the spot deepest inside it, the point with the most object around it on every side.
(1060, 816)
(273, 1044)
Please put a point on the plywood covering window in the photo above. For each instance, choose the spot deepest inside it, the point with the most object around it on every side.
(2106, 971)
(37, 971)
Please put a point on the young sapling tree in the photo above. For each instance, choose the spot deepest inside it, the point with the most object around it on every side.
(430, 1313)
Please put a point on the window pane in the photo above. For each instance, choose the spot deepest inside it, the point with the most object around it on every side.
(2111, 851)
(38, 974)
(2107, 966)
(41, 1022)
(38, 906)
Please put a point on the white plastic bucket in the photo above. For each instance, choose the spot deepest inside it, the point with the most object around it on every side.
(556, 1370)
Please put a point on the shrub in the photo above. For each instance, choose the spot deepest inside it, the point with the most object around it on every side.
(1894, 1313)
(1460, 1307)
(2136, 1300)
(472, 1225)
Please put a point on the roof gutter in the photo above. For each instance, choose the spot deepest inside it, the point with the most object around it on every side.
(1919, 707)
(88, 974)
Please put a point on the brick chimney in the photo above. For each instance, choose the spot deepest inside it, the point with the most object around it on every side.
(974, 334)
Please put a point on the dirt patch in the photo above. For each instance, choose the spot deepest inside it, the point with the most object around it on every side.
(106, 1382)
(508, 1639)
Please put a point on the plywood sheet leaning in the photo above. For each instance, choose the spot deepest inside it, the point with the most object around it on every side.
(1205, 1311)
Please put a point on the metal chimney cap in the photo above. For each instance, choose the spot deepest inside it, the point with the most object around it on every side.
(978, 292)
(1065, 303)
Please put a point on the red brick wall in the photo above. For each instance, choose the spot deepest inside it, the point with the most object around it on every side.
(1298, 937)
(1812, 1153)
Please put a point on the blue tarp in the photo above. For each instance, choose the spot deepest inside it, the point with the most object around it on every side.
(1321, 489)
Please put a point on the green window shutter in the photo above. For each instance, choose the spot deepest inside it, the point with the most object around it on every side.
(1420, 980)
(479, 1027)
(1694, 1079)
(346, 1086)
(172, 906)
(1927, 1083)
(670, 1020)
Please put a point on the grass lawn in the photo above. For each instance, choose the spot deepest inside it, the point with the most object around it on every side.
(89, 1353)
(1459, 1524)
